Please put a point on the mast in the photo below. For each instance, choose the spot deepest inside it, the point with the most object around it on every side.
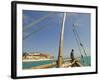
(59, 63)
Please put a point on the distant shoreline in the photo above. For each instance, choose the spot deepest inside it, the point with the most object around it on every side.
(30, 60)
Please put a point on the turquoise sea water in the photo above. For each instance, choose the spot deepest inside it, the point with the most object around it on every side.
(28, 65)
(86, 61)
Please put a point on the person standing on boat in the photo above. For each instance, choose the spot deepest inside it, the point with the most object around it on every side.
(72, 55)
(74, 62)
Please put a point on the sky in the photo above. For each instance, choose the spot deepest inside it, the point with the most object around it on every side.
(41, 32)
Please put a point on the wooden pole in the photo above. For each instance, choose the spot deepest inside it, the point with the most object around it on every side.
(59, 63)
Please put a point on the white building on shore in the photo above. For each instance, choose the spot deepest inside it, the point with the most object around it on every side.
(37, 56)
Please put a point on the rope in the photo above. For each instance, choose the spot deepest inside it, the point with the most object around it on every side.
(80, 41)
(38, 29)
(37, 21)
(35, 31)
(78, 46)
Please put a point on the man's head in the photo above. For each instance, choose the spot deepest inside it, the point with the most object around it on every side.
(72, 49)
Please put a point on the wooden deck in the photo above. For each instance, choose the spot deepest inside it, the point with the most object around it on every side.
(66, 64)
(75, 63)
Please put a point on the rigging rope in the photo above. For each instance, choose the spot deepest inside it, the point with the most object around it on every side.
(79, 40)
(38, 29)
(34, 31)
(37, 21)
(77, 43)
